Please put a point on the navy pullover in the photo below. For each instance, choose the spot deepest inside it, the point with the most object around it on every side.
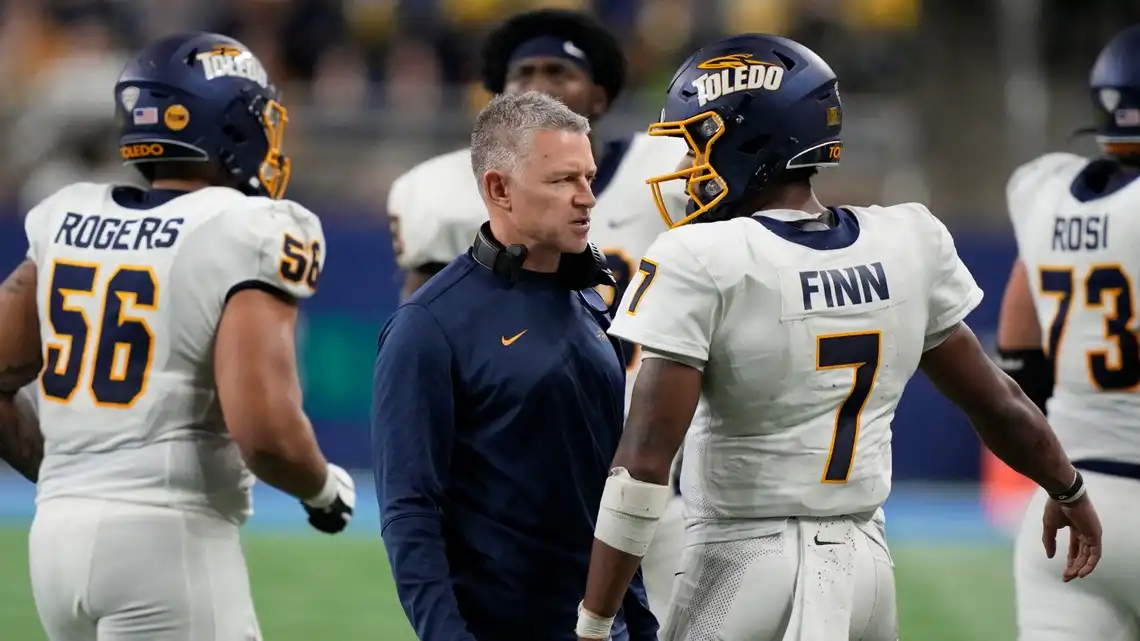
(497, 410)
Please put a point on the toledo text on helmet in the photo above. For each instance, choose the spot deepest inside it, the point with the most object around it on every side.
(735, 72)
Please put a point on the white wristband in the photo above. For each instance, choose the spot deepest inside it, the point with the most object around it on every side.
(592, 626)
(328, 493)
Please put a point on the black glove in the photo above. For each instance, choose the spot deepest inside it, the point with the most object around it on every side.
(331, 510)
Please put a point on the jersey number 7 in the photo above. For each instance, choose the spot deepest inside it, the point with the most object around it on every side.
(620, 264)
(124, 344)
(859, 351)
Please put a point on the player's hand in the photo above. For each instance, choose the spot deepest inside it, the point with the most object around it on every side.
(331, 515)
(1084, 535)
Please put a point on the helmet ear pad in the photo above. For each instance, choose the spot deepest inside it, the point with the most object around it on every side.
(752, 155)
(243, 130)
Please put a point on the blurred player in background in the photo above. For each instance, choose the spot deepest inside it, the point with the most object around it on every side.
(435, 208)
(1067, 334)
(169, 373)
(801, 324)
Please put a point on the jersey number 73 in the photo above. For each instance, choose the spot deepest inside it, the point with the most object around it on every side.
(116, 373)
(1103, 283)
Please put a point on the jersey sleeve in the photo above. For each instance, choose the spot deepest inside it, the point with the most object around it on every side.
(1026, 182)
(279, 247)
(423, 230)
(673, 305)
(401, 202)
(36, 228)
(953, 291)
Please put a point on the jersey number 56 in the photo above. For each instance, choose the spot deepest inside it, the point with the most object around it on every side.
(124, 344)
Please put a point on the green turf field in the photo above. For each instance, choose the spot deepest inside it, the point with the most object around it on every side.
(309, 588)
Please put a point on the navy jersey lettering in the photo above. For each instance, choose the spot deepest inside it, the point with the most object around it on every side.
(1080, 233)
(856, 285)
(117, 234)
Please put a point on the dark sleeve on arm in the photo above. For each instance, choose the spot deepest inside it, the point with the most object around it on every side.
(412, 426)
(431, 269)
(640, 622)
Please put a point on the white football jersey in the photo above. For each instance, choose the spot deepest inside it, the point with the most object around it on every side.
(1081, 254)
(435, 209)
(806, 340)
(129, 301)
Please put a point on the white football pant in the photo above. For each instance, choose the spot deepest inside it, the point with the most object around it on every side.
(817, 580)
(662, 561)
(1104, 605)
(111, 571)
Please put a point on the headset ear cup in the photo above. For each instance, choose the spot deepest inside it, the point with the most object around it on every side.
(584, 270)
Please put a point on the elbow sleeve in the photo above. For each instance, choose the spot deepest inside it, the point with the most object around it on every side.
(1032, 370)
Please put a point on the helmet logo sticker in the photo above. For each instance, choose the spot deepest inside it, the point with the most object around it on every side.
(129, 97)
(230, 62)
(734, 73)
(1109, 99)
(176, 118)
(145, 115)
(1127, 117)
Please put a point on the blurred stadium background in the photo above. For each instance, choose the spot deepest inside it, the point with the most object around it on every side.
(943, 99)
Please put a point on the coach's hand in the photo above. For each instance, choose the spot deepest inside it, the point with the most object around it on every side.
(331, 510)
(1084, 535)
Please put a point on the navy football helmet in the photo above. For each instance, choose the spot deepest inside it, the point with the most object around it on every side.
(1114, 85)
(750, 107)
(203, 97)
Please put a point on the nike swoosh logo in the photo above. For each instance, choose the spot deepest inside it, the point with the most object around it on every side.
(508, 341)
(616, 224)
(818, 542)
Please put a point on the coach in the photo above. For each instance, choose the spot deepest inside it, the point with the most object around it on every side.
(498, 400)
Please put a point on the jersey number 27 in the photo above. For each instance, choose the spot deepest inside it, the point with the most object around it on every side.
(124, 344)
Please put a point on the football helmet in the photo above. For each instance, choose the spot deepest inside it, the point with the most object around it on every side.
(750, 107)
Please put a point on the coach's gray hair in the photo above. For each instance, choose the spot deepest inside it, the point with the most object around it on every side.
(504, 129)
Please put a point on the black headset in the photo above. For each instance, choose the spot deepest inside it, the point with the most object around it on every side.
(576, 271)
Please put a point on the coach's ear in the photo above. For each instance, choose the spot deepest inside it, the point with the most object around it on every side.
(496, 190)
(599, 102)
